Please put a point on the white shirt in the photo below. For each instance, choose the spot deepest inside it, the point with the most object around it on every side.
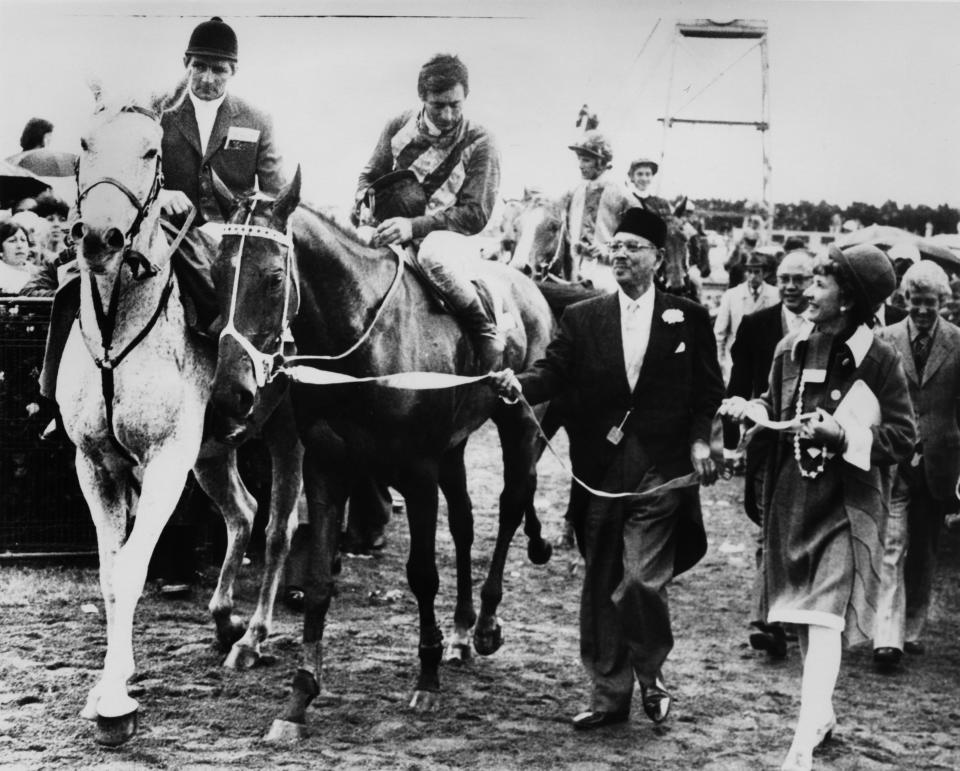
(636, 317)
(12, 280)
(794, 322)
(206, 113)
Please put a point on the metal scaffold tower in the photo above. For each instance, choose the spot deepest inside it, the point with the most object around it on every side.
(738, 29)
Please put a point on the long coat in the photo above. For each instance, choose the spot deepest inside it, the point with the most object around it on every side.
(865, 492)
(934, 398)
(676, 396)
(242, 159)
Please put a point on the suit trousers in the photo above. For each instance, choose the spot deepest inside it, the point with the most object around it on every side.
(629, 551)
(909, 561)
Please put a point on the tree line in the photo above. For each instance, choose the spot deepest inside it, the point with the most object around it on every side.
(807, 215)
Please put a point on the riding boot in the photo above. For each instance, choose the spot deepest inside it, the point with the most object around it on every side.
(488, 341)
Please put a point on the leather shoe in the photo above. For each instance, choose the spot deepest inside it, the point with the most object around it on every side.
(597, 718)
(772, 640)
(914, 648)
(656, 701)
(887, 657)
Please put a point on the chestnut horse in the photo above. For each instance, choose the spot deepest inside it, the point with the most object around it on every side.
(354, 309)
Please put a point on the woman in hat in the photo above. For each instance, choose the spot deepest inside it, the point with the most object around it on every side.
(641, 174)
(845, 396)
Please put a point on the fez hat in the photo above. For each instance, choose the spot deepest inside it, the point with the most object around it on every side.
(213, 38)
(396, 194)
(868, 272)
(645, 224)
(654, 166)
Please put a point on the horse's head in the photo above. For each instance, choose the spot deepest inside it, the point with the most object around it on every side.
(118, 180)
(538, 230)
(254, 273)
(675, 266)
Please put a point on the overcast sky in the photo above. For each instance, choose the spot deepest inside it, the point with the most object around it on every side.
(863, 97)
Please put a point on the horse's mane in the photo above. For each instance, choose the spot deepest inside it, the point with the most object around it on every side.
(341, 228)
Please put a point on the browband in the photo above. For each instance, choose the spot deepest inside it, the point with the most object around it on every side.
(257, 231)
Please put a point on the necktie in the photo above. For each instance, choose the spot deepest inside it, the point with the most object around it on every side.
(921, 351)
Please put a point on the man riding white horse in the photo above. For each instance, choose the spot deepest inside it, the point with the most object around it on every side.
(456, 164)
(214, 144)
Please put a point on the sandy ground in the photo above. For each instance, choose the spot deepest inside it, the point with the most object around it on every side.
(733, 708)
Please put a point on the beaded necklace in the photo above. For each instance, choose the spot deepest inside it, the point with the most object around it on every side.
(796, 440)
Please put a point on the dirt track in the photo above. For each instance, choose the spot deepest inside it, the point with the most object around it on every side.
(732, 710)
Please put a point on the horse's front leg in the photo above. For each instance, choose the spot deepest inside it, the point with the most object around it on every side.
(105, 490)
(420, 493)
(163, 482)
(220, 480)
(453, 483)
(517, 440)
(326, 491)
(286, 455)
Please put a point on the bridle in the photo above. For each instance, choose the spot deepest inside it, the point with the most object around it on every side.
(107, 317)
(264, 364)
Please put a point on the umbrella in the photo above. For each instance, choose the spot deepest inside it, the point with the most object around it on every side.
(45, 162)
(885, 236)
(16, 183)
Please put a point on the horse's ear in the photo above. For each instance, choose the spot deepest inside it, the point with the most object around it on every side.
(681, 208)
(288, 199)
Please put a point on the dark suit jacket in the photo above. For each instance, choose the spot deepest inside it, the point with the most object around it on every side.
(673, 403)
(934, 399)
(752, 351)
(240, 164)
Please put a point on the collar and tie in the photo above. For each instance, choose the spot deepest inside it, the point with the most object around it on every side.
(921, 351)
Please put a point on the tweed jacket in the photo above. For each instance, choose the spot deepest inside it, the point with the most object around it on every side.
(934, 398)
(241, 151)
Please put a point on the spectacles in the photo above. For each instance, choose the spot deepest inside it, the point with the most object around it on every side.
(793, 278)
(622, 246)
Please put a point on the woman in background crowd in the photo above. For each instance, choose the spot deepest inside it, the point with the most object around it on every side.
(15, 269)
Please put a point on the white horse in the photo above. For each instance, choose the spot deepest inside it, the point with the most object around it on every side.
(133, 391)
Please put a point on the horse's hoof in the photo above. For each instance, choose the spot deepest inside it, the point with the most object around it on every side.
(114, 731)
(457, 654)
(285, 732)
(242, 657)
(539, 551)
(230, 632)
(488, 641)
(425, 701)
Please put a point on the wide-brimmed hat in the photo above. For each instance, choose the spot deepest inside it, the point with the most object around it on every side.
(757, 259)
(396, 194)
(868, 271)
(645, 224)
(654, 166)
(213, 38)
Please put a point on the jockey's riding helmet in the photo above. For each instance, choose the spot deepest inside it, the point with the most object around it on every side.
(594, 143)
(396, 194)
(213, 38)
(652, 165)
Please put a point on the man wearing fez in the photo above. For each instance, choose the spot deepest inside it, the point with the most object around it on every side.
(643, 365)
(433, 178)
